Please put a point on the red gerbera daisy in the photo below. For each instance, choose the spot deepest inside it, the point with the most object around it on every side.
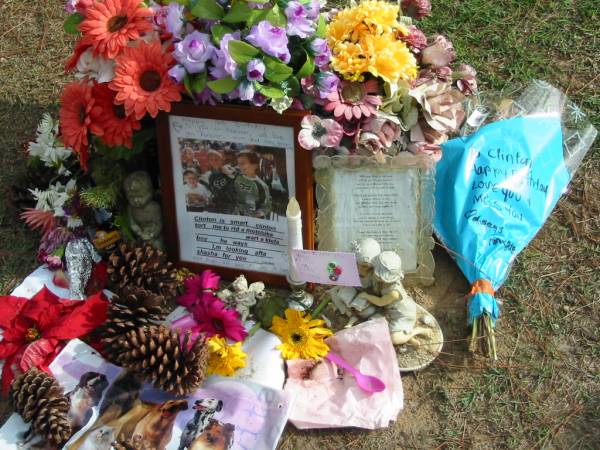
(108, 26)
(117, 127)
(75, 121)
(142, 81)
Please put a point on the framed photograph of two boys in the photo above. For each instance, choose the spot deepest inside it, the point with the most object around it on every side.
(227, 174)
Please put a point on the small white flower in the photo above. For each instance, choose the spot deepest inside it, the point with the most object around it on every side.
(47, 147)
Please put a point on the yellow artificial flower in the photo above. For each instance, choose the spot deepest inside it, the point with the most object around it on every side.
(365, 39)
(301, 336)
(390, 60)
(224, 359)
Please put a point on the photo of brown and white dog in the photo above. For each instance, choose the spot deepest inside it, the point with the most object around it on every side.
(205, 409)
(84, 397)
(216, 436)
(156, 428)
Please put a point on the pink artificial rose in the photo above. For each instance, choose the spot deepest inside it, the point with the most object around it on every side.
(370, 142)
(439, 54)
(417, 9)
(317, 132)
(466, 79)
(386, 131)
(415, 39)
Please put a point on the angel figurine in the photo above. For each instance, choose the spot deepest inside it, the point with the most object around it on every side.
(242, 296)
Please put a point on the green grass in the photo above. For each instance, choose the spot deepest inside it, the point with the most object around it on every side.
(544, 391)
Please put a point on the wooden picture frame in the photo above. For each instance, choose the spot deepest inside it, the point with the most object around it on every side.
(248, 235)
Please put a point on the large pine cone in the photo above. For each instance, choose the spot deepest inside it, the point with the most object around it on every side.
(133, 308)
(155, 354)
(141, 266)
(135, 443)
(39, 399)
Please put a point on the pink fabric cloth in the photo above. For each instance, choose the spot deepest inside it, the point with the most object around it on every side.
(328, 397)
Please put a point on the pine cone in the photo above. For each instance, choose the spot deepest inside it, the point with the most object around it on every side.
(135, 307)
(155, 354)
(141, 266)
(137, 442)
(39, 399)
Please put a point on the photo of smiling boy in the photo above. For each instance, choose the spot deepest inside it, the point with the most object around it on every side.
(197, 195)
(252, 194)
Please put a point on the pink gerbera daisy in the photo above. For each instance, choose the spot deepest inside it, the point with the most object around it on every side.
(213, 318)
(197, 287)
(353, 100)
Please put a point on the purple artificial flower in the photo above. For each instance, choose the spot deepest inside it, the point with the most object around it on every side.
(439, 54)
(223, 63)
(259, 99)
(417, 9)
(298, 23)
(270, 39)
(319, 46)
(255, 70)
(194, 51)
(246, 90)
(177, 73)
(313, 9)
(253, 5)
(208, 97)
(71, 6)
(321, 52)
(466, 79)
(169, 18)
(326, 83)
(416, 39)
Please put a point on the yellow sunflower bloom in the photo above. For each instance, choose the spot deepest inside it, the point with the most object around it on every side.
(301, 336)
(224, 359)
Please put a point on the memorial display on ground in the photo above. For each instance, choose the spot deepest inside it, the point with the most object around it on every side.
(237, 204)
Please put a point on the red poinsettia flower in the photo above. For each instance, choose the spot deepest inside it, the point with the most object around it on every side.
(34, 329)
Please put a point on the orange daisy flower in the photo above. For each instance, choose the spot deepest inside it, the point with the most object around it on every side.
(75, 121)
(142, 81)
(108, 26)
(117, 126)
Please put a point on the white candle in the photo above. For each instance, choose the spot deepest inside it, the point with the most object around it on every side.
(294, 221)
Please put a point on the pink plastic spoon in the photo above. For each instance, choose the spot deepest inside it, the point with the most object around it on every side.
(366, 382)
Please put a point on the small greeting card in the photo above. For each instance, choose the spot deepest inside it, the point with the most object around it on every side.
(336, 268)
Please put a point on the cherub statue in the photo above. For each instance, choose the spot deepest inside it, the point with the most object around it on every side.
(394, 303)
(345, 298)
(145, 214)
(241, 296)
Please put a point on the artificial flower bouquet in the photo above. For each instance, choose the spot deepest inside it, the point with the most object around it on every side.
(388, 88)
(134, 59)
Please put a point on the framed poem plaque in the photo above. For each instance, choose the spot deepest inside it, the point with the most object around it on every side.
(390, 200)
(227, 173)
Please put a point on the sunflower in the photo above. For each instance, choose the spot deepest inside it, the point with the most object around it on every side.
(77, 103)
(142, 82)
(301, 336)
(109, 26)
(224, 359)
(117, 126)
